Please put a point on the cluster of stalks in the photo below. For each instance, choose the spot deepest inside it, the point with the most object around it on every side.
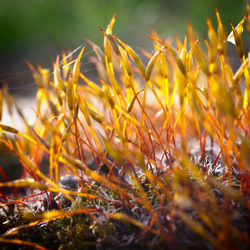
(143, 134)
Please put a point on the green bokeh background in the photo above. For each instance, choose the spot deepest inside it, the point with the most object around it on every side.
(38, 30)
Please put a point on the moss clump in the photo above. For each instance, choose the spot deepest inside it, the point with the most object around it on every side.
(153, 156)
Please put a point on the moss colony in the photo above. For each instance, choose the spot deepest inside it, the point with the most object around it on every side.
(150, 157)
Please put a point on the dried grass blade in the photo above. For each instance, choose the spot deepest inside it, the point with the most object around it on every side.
(99, 53)
(76, 68)
(174, 53)
(29, 182)
(133, 55)
(15, 131)
(22, 242)
(57, 76)
(93, 86)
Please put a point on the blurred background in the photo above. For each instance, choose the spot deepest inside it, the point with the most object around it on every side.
(38, 30)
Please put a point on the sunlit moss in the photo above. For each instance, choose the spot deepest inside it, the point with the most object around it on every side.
(156, 153)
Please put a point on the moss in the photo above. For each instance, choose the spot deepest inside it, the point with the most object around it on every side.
(147, 160)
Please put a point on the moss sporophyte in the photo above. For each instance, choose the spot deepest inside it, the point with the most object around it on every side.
(154, 155)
